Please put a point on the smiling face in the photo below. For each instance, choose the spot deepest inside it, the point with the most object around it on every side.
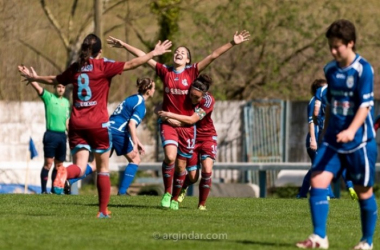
(195, 96)
(181, 56)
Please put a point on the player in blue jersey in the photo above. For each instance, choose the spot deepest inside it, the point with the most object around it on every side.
(349, 139)
(123, 123)
(316, 120)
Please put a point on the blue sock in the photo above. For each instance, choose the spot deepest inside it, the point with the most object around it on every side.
(88, 172)
(319, 208)
(368, 214)
(349, 183)
(305, 185)
(129, 175)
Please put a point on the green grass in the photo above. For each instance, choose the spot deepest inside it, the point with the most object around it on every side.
(69, 222)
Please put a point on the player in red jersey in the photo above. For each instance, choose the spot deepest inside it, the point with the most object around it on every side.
(88, 128)
(178, 142)
(206, 142)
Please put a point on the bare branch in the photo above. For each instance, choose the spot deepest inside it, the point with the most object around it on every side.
(55, 23)
(40, 54)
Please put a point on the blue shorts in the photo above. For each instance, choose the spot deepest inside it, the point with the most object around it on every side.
(360, 164)
(55, 145)
(121, 143)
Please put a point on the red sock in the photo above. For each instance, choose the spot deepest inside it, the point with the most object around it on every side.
(204, 188)
(179, 179)
(73, 171)
(104, 191)
(167, 175)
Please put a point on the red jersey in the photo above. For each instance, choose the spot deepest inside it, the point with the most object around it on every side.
(205, 126)
(90, 93)
(176, 87)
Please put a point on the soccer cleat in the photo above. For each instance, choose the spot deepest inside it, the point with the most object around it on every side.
(67, 188)
(314, 241)
(300, 196)
(182, 195)
(353, 194)
(174, 205)
(202, 208)
(165, 201)
(103, 216)
(363, 245)
(60, 179)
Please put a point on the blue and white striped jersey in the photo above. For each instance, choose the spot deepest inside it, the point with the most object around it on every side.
(349, 89)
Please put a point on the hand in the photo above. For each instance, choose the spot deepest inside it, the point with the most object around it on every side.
(345, 136)
(114, 42)
(163, 114)
(242, 37)
(162, 48)
(313, 145)
(141, 148)
(29, 75)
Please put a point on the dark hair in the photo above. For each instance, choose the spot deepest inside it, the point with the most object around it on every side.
(202, 83)
(143, 85)
(316, 85)
(344, 30)
(188, 53)
(91, 46)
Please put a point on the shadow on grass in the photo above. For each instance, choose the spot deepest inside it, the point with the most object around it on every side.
(263, 243)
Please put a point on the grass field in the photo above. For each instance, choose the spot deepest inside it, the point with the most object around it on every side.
(69, 222)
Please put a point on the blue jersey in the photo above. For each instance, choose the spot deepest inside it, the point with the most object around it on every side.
(321, 95)
(132, 108)
(310, 112)
(349, 89)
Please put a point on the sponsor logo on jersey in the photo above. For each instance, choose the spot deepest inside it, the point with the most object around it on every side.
(350, 81)
(85, 104)
(184, 82)
(340, 76)
(176, 91)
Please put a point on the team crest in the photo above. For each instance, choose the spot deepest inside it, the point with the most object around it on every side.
(184, 82)
(350, 81)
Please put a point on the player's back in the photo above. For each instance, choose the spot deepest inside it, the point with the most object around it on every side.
(133, 107)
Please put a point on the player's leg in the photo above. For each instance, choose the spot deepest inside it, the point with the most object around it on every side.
(50, 145)
(306, 180)
(60, 156)
(361, 169)
(192, 176)
(208, 156)
(169, 140)
(327, 164)
(349, 186)
(186, 143)
(44, 176)
(131, 169)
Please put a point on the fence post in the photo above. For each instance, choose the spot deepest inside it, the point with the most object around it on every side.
(263, 183)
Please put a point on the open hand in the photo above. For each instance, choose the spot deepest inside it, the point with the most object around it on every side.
(241, 37)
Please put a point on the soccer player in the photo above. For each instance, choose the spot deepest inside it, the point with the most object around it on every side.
(89, 122)
(123, 123)
(349, 140)
(57, 113)
(178, 142)
(206, 142)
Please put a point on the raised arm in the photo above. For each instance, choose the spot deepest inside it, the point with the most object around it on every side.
(31, 76)
(117, 43)
(189, 120)
(238, 39)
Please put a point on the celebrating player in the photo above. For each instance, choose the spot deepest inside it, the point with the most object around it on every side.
(206, 142)
(349, 140)
(178, 142)
(123, 123)
(89, 123)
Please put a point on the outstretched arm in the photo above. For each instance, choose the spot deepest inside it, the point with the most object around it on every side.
(238, 39)
(35, 85)
(117, 43)
(31, 76)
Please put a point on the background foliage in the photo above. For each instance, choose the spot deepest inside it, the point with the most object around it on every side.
(286, 52)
